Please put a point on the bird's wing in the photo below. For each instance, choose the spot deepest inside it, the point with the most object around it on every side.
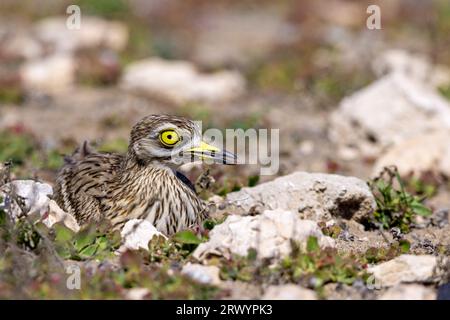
(83, 180)
(94, 173)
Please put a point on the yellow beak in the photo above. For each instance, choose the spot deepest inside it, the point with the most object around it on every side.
(204, 147)
(205, 151)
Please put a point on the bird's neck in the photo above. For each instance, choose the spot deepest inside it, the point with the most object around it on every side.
(132, 164)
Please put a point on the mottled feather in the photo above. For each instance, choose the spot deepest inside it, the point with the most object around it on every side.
(93, 186)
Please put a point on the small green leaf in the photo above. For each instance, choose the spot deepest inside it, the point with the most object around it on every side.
(84, 238)
(253, 181)
(89, 251)
(102, 243)
(187, 237)
(63, 234)
(313, 244)
(404, 246)
(252, 254)
(420, 209)
(64, 252)
(115, 239)
(209, 224)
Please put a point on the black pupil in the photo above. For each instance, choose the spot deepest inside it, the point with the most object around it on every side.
(169, 136)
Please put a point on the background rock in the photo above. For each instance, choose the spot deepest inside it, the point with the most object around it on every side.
(94, 32)
(137, 293)
(55, 214)
(288, 292)
(411, 65)
(34, 198)
(203, 274)
(389, 111)
(179, 82)
(406, 268)
(20, 44)
(429, 152)
(49, 75)
(270, 234)
(136, 234)
(240, 290)
(314, 195)
(409, 292)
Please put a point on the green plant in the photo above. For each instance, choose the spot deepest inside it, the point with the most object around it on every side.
(381, 254)
(310, 266)
(242, 268)
(31, 276)
(104, 8)
(17, 147)
(22, 149)
(445, 91)
(13, 95)
(118, 145)
(395, 206)
(43, 159)
(27, 235)
(229, 185)
(279, 75)
(174, 250)
(332, 231)
(253, 181)
(163, 250)
(187, 237)
(161, 281)
(53, 160)
(91, 242)
(315, 267)
(247, 122)
(210, 223)
(422, 188)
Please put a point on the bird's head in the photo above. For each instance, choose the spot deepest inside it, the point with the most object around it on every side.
(173, 141)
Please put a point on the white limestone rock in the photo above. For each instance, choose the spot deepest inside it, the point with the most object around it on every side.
(136, 234)
(288, 292)
(406, 269)
(429, 152)
(411, 65)
(136, 293)
(93, 32)
(409, 292)
(202, 274)
(314, 195)
(387, 112)
(269, 233)
(51, 74)
(35, 200)
(179, 82)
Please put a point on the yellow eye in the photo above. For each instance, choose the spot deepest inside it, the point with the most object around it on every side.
(169, 138)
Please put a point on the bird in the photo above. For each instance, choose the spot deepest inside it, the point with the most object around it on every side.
(143, 183)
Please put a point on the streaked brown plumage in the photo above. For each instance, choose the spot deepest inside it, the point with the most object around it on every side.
(144, 182)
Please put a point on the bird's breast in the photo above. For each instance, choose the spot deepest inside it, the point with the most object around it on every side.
(158, 197)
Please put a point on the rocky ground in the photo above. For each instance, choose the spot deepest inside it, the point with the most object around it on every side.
(337, 221)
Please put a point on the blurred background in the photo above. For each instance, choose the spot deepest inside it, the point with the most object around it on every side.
(343, 96)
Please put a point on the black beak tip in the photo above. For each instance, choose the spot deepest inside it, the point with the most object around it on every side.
(229, 158)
